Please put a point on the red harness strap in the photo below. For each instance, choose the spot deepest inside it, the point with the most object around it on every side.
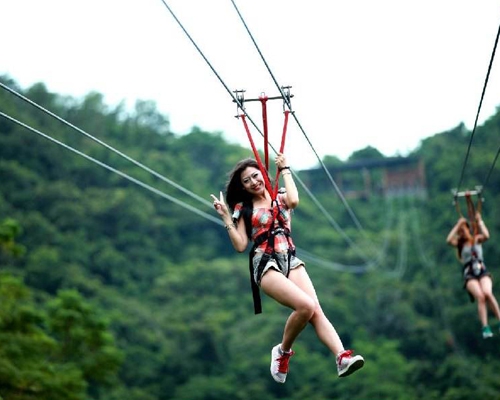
(282, 148)
(470, 213)
(471, 208)
(263, 101)
(276, 215)
(264, 169)
(269, 238)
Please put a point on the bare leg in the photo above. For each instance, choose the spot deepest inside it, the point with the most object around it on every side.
(476, 291)
(487, 287)
(324, 329)
(286, 292)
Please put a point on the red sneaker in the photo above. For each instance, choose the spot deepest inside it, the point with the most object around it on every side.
(347, 364)
(279, 363)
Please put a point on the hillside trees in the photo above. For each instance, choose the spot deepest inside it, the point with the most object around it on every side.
(129, 295)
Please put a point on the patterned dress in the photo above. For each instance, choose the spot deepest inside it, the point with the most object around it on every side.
(261, 222)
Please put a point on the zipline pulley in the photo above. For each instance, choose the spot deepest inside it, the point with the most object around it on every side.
(287, 102)
(240, 100)
(471, 207)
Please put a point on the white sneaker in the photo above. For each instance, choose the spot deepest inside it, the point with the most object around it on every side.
(347, 364)
(279, 363)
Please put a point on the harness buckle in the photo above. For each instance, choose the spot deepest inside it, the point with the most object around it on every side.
(277, 230)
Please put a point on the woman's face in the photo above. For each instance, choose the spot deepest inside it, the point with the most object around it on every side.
(252, 180)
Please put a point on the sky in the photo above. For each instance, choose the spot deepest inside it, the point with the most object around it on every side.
(385, 74)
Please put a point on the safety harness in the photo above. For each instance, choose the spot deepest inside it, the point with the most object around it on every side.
(471, 208)
(277, 225)
(475, 265)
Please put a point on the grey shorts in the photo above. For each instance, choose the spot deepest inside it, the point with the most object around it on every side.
(282, 266)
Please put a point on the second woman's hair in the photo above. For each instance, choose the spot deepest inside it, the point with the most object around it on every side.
(462, 239)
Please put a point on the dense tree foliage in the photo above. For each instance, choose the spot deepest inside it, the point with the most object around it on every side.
(111, 291)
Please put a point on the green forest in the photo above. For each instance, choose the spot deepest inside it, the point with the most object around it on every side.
(119, 284)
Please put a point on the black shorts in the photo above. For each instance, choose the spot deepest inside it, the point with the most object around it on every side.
(470, 273)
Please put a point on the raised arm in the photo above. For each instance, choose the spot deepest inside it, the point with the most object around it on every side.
(484, 233)
(452, 238)
(292, 195)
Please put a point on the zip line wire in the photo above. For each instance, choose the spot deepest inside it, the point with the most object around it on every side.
(240, 105)
(491, 168)
(116, 171)
(179, 187)
(235, 99)
(431, 267)
(342, 198)
(322, 262)
(477, 117)
(137, 163)
(307, 256)
(206, 202)
(191, 194)
(332, 221)
(370, 265)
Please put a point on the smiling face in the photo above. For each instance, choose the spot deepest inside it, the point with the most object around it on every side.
(253, 181)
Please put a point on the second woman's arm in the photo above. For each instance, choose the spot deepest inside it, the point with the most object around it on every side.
(484, 233)
(452, 238)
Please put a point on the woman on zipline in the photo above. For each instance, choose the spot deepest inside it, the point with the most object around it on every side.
(253, 214)
(477, 279)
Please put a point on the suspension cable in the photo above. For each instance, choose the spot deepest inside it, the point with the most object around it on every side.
(137, 163)
(240, 106)
(235, 99)
(116, 171)
(491, 168)
(477, 113)
(431, 267)
(310, 256)
(334, 223)
(337, 189)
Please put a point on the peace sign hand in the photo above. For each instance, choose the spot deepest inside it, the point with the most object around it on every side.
(220, 205)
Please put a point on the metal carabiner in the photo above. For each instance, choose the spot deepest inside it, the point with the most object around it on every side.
(286, 97)
(240, 101)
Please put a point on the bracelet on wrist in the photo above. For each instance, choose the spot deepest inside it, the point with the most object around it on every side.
(282, 168)
(229, 226)
(286, 173)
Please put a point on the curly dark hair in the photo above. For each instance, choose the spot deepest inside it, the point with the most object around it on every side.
(236, 194)
(234, 188)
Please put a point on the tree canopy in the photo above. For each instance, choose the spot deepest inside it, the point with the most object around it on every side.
(109, 291)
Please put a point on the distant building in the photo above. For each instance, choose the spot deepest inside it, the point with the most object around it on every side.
(388, 177)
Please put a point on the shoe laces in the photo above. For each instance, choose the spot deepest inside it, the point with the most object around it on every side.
(283, 361)
(345, 353)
